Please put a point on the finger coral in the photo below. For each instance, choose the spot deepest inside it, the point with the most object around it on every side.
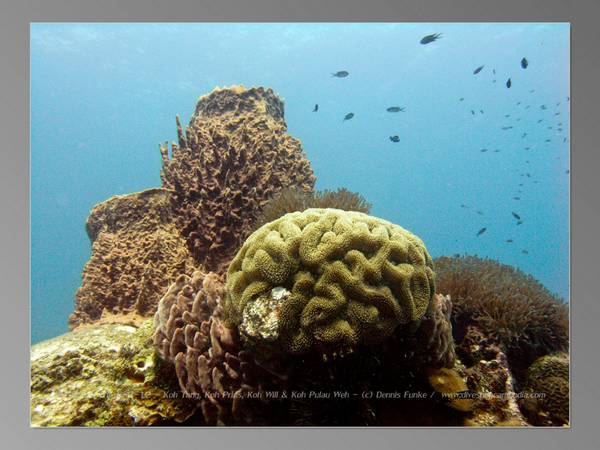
(137, 252)
(234, 155)
(548, 388)
(331, 280)
(291, 200)
(509, 306)
(210, 365)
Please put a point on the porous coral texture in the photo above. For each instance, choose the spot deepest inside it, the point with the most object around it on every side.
(210, 365)
(234, 155)
(352, 279)
(137, 252)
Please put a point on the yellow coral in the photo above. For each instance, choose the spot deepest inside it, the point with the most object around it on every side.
(352, 278)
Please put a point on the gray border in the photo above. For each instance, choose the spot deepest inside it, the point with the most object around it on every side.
(14, 238)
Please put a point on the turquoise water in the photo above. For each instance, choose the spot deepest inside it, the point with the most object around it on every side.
(104, 95)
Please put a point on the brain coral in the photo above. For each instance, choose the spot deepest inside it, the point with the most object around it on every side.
(137, 252)
(234, 156)
(328, 280)
(549, 376)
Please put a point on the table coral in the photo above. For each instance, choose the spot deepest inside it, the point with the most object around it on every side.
(352, 279)
(137, 252)
(234, 155)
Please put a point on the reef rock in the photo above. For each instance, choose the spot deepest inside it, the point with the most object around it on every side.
(234, 155)
(137, 251)
(103, 375)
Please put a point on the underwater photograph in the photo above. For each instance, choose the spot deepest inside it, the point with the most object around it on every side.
(300, 224)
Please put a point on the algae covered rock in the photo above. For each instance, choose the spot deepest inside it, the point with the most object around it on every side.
(331, 279)
(103, 375)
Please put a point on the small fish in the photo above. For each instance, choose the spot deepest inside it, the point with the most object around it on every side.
(316, 108)
(567, 171)
(516, 216)
(508, 127)
(564, 140)
(476, 71)
(395, 109)
(461, 99)
(496, 151)
(516, 198)
(483, 150)
(493, 81)
(431, 38)
(525, 252)
(568, 98)
(543, 107)
(509, 240)
(481, 111)
(520, 184)
(548, 140)
(528, 175)
(348, 116)
(550, 127)
(519, 222)
(480, 213)
(462, 205)
(532, 91)
(528, 106)
(523, 135)
(472, 112)
(524, 63)
(508, 83)
(558, 104)
(557, 114)
(518, 119)
(395, 138)
(518, 103)
(540, 120)
(494, 71)
(507, 115)
(340, 74)
(480, 232)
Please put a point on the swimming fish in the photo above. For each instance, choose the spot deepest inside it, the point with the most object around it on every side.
(480, 232)
(496, 151)
(340, 74)
(543, 107)
(494, 71)
(525, 252)
(516, 216)
(461, 99)
(395, 138)
(480, 213)
(516, 198)
(472, 112)
(316, 108)
(567, 171)
(476, 71)
(524, 63)
(519, 222)
(348, 116)
(483, 150)
(395, 109)
(507, 128)
(508, 83)
(431, 38)
(481, 111)
(509, 240)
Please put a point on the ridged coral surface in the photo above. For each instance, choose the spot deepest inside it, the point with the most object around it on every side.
(234, 155)
(351, 279)
(137, 252)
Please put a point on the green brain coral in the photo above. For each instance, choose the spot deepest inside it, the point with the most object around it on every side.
(328, 280)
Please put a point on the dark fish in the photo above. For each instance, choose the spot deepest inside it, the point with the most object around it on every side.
(494, 71)
(518, 119)
(507, 115)
(476, 71)
(431, 38)
(519, 222)
(568, 98)
(457, 255)
(518, 103)
(516, 216)
(550, 127)
(508, 127)
(559, 129)
(548, 140)
(557, 114)
(348, 116)
(461, 99)
(509, 240)
(558, 104)
(532, 91)
(528, 106)
(543, 107)
(508, 83)
(524, 63)
(523, 135)
(564, 140)
(528, 175)
(516, 198)
(496, 151)
(316, 108)
(462, 205)
(483, 150)
(540, 120)
(493, 81)
(395, 109)
(481, 111)
(525, 252)
(395, 138)
(340, 74)
(567, 171)
(472, 112)
(480, 213)
(480, 232)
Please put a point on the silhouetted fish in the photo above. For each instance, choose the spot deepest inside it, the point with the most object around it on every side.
(532, 91)
(524, 63)
(516, 198)
(462, 205)
(461, 99)
(481, 111)
(395, 109)
(543, 107)
(395, 138)
(483, 150)
(518, 103)
(525, 252)
(507, 115)
(523, 135)
(540, 120)
(472, 112)
(516, 216)
(476, 71)
(519, 222)
(508, 127)
(494, 71)
(508, 83)
(480, 213)
(431, 38)
(528, 106)
(340, 74)
(480, 232)
(348, 116)
(564, 140)
(567, 171)
(316, 108)
(509, 240)
(496, 151)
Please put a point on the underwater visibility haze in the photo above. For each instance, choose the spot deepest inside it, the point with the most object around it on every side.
(459, 133)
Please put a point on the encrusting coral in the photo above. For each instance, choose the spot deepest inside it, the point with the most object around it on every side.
(547, 386)
(137, 252)
(508, 306)
(293, 199)
(330, 280)
(234, 155)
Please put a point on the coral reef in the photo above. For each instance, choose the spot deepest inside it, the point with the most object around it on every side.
(234, 155)
(291, 200)
(136, 253)
(103, 375)
(548, 388)
(508, 306)
(341, 279)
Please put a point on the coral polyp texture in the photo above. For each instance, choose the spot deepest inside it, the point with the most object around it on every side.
(137, 252)
(328, 280)
(234, 155)
(548, 387)
(507, 305)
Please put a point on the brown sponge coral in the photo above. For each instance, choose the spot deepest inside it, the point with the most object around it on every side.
(234, 155)
(137, 252)
(328, 280)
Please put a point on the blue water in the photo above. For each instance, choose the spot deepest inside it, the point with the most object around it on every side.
(104, 95)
